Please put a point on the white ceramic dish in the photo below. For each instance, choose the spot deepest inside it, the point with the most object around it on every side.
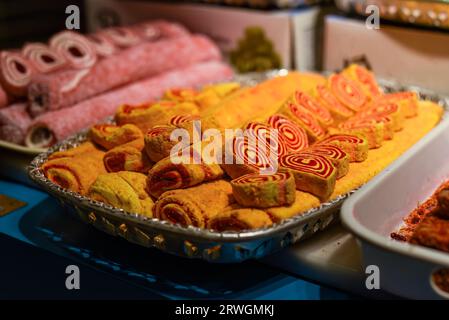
(379, 207)
(20, 149)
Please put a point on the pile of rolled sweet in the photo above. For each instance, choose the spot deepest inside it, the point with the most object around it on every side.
(49, 91)
(333, 135)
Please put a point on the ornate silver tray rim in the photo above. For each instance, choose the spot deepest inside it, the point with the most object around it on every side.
(195, 233)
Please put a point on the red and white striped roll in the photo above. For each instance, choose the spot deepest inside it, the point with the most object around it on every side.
(122, 37)
(308, 162)
(336, 155)
(355, 146)
(294, 137)
(65, 88)
(75, 48)
(365, 78)
(43, 59)
(312, 105)
(347, 91)
(264, 191)
(338, 111)
(306, 121)
(269, 136)
(381, 110)
(104, 47)
(15, 73)
(313, 173)
(183, 118)
(248, 153)
(57, 125)
(14, 122)
(407, 100)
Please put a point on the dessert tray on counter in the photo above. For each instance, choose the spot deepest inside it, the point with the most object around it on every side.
(192, 242)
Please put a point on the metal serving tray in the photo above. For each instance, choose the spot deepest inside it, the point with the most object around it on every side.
(379, 207)
(193, 242)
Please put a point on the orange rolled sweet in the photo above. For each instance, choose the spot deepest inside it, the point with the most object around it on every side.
(303, 118)
(124, 190)
(373, 131)
(167, 175)
(365, 78)
(76, 171)
(385, 109)
(264, 191)
(127, 157)
(313, 173)
(239, 220)
(336, 155)
(194, 206)
(85, 147)
(245, 157)
(338, 111)
(314, 107)
(158, 143)
(110, 136)
(355, 146)
(149, 115)
(407, 101)
(347, 91)
(180, 94)
(293, 136)
(387, 121)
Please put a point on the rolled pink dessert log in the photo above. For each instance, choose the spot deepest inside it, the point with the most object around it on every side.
(14, 123)
(15, 73)
(104, 47)
(75, 48)
(62, 89)
(163, 29)
(123, 37)
(43, 59)
(3, 98)
(58, 125)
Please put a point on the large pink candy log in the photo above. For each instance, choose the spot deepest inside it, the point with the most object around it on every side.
(75, 48)
(104, 47)
(55, 126)
(122, 37)
(15, 73)
(166, 29)
(14, 123)
(3, 98)
(43, 59)
(52, 92)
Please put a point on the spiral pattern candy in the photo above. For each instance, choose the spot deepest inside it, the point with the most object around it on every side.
(247, 158)
(294, 137)
(76, 49)
(327, 99)
(407, 101)
(43, 59)
(313, 173)
(269, 137)
(317, 110)
(386, 121)
(302, 117)
(15, 73)
(183, 118)
(355, 146)
(347, 91)
(264, 191)
(365, 78)
(385, 109)
(374, 132)
(336, 155)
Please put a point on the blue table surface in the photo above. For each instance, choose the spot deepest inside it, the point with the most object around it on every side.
(40, 239)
